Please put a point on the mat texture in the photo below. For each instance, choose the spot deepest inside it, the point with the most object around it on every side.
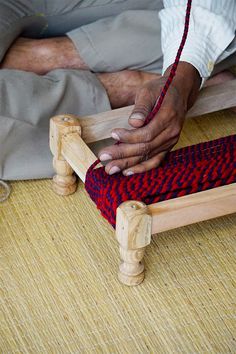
(58, 276)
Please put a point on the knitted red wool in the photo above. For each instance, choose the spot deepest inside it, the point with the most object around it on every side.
(185, 171)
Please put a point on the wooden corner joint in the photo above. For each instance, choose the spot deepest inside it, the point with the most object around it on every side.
(133, 231)
(64, 182)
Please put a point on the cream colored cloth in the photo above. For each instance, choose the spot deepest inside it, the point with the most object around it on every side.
(211, 36)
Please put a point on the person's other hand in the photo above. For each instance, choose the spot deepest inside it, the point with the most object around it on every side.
(144, 148)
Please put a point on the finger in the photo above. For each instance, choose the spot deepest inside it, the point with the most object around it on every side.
(121, 151)
(161, 121)
(146, 165)
(144, 102)
(166, 140)
(144, 134)
(118, 165)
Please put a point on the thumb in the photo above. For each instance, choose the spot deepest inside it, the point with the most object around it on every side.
(144, 103)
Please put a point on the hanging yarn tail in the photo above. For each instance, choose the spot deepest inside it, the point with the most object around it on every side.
(174, 67)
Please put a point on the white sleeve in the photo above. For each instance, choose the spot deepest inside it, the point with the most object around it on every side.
(211, 31)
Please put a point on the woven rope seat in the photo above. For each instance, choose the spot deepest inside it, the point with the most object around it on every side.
(185, 171)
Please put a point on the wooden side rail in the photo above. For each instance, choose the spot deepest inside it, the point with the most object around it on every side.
(193, 208)
(70, 152)
(77, 154)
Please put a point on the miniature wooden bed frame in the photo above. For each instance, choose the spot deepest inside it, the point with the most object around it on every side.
(135, 221)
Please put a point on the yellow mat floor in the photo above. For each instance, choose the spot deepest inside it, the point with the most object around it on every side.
(59, 287)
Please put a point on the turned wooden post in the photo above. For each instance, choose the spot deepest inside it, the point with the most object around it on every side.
(64, 182)
(133, 231)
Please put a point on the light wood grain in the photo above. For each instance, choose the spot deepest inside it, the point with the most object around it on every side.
(133, 225)
(133, 232)
(64, 182)
(77, 154)
(61, 125)
(211, 99)
(214, 98)
(193, 208)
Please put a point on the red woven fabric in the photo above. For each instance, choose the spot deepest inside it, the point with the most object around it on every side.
(185, 171)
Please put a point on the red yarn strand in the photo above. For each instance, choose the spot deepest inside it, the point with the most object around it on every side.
(172, 74)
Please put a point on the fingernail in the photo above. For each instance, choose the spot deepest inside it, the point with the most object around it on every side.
(105, 157)
(113, 170)
(128, 173)
(115, 136)
(137, 116)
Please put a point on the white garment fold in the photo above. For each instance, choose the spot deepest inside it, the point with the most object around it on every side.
(211, 36)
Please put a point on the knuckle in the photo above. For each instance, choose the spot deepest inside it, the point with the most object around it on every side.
(171, 113)
(120, 154)
(147, 135)
(141, 159)
(126, 164)
(141, 168)
(143, 149)
(144, 100)
(110, 165)
(162, 124)
(175, 132)
(141, 108)
(144, 91)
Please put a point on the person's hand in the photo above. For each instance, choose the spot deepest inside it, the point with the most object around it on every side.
(144, 148)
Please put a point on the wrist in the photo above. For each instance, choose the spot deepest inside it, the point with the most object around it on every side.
(187, 81)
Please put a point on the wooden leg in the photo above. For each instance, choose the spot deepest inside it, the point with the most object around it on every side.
(133, 231)
(64, 182)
